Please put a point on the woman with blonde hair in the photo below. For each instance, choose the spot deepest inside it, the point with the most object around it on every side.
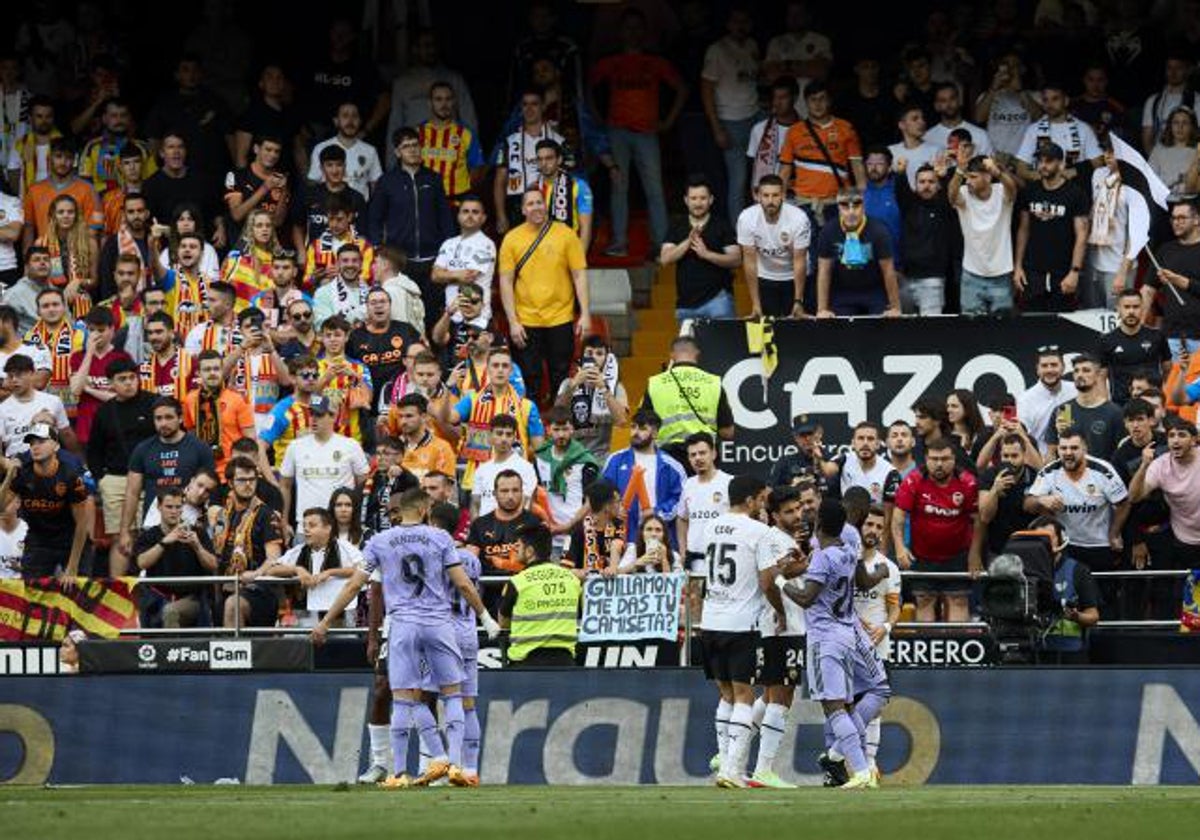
(248, 267)
(73, 254)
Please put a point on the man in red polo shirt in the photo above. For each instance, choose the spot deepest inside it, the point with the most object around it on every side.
(942, 503)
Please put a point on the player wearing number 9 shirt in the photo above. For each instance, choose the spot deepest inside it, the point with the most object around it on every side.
(733, 600)
(420, 567)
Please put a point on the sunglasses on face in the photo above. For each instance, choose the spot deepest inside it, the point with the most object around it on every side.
(1048, 348)
(309, 374)
(301, 316)
(850, 202)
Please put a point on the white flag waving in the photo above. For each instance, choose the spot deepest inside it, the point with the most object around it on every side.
(1142, 178)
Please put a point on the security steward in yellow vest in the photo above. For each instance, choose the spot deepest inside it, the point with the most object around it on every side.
(689, 400)
(540, 605)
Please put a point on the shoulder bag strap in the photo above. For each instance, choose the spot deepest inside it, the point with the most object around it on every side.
(683, 393)
(533, 247)
(812, 129)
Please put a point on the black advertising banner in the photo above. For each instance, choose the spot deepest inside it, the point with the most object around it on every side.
(846, 370)
(109, 657)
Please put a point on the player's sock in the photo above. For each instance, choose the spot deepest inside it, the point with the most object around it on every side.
(381, 745)
(452, 714)
(402, 712)
(471, 740)
(770, 736)
(873, 733)
(739, 741)
(849, 741)
(831, 742)
(759, 710)
(431, 739)
(724, 710)
(870, 706)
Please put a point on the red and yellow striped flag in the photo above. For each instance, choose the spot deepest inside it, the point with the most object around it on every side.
(41, 609)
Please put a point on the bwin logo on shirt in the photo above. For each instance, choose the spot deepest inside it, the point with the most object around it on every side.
(1087, 508)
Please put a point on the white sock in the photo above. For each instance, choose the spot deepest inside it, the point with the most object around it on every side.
(724, 710)
(770, 737)
(760, 710)
(739, 741)
(874, 729)
(380, 735)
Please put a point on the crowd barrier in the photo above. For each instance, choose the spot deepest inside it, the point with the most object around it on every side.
(966, 726)
(847, 370)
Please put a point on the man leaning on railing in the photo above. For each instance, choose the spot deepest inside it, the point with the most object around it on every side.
(174, 548)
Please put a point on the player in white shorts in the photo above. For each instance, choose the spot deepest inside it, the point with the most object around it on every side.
(705, 496)
(733, 601)
(878, 608)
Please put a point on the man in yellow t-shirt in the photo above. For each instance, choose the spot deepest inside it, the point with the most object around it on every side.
(540, 297)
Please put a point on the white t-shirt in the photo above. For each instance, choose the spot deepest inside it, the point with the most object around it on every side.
(915, 158)
(12, 548)
(1108, 257)
(1007, 121)
(1037, 404)
(791, 46)
(875, 480)
(321, 597)
(649, 463)
(735, 552)
(519, 157)
(562, 507)
(16, 417)
(733, 69)
(1171, 164)
(10, 211)
(484, 487)
(871, 604)
(320, 468)
(478, 252)
(1089, 502)
(987, 232)
(39, 355)
(41, 166)
(766, 161)
(939, 135)
(701, 503)
(210, 263)
(777, 242)
(778, 544)
(1074, 136)
(362, 165)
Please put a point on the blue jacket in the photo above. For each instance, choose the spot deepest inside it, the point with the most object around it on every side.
(668, 488)
(880, 203)
(410, 212)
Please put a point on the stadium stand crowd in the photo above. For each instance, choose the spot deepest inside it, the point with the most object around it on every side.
(250, 301)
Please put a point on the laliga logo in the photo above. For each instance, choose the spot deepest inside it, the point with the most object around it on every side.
(147, 653)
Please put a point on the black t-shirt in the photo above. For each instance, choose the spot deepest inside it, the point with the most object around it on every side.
(1152, 511)
(310, 213)
(244, 182)
(1179, 320)
(178, 559)
(698, 281)
(263, 531)
(335, 82)
(1052, 216)
(1103, 427)
(168, 464)
(46, 503)
(1127, 356)
(1010, 514)
(118, 427)
(382, 353)
(496, 540)
(872, 118)
(204, 121)
(1087, 593)
(260, 119)
(164, 193)
(855, 265)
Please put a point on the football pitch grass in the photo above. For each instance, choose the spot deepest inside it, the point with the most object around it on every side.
(629, 813)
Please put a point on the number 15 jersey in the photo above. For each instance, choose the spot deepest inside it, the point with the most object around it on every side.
(732, 600)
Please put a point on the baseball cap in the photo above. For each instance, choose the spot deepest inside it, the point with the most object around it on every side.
(802, 424)
(320, 405)
(1053, 151)
(41, 431)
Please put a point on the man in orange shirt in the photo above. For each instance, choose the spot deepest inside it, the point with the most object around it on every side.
(63, 180)
(821, 155)
(215, 414)
(632, 78)
(424, 452)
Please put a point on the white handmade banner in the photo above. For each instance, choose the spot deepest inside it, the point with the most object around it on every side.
(638, 606)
